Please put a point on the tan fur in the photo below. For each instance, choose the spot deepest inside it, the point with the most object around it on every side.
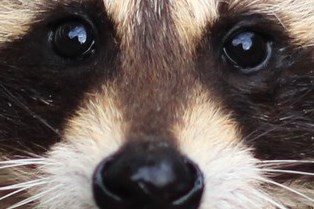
(95, 132)
(15, 18)
(121, 11)
(101, 119)
(295, 16)
(191, 17)
(211, 139)
(203, 131)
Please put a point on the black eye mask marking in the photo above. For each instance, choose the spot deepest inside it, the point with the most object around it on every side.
(45, 74)
(264, 81)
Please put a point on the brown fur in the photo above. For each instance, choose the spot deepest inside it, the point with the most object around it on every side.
(158, 92)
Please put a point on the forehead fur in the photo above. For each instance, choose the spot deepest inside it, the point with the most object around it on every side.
(191, 17)
(15, 17)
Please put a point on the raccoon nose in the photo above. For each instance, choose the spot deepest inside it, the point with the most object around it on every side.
(158, 179)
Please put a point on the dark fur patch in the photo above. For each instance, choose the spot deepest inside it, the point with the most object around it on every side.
(40, 90)
(273, 107)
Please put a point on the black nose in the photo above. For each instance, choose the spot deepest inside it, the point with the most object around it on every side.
(156, 179)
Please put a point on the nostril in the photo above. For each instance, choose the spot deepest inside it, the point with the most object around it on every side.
(153, 181)
(193, 195)
(102, 183)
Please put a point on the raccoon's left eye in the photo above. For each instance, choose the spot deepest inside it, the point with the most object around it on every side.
(247, 51)
(74, 39)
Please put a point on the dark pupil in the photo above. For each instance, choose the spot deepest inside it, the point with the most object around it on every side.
(73, 40)
(246, 50)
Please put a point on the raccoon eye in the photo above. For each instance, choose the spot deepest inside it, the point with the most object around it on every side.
(73, 39)
(247, 51)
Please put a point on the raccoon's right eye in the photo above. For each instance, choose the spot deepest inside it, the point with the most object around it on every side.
(73, 39)
(247, 51)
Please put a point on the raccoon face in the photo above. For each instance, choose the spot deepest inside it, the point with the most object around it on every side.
(185, 104)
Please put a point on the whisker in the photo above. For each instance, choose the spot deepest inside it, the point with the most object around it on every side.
(33, 198)
(6, 162)
(21, 162)
(267, 131)
(287, 171)
(22, 149)
(13, 193)
(22, 189)
(273, 202)
(28, 110)
(248, 137)
(285, 161)
(287, 188)
(19, 165)
(51, 200)
(249, 200)
(22, 185)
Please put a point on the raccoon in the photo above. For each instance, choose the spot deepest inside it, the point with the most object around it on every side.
(156, 104)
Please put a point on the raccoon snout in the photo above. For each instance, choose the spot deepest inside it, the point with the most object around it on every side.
(148, 179)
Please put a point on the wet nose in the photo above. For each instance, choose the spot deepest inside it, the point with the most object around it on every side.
(156, 179)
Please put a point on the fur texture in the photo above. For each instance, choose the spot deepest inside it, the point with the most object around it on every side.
(157, 77)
